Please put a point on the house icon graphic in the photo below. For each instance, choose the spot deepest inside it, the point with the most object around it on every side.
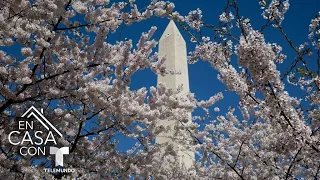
(32, 111)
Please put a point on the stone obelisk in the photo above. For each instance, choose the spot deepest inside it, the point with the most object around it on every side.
(172, 46)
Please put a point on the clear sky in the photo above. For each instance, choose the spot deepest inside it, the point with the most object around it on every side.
(203, 78)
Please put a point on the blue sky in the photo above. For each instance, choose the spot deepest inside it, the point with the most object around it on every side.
(203, 81)
(203, 78)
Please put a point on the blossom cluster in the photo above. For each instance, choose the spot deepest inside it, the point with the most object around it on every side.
(224, 17)
(275, 10)
(194, 19)
(314, 31)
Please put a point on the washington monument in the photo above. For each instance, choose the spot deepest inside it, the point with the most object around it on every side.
(173, 47)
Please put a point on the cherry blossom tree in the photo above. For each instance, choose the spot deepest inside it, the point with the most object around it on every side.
(67, 66)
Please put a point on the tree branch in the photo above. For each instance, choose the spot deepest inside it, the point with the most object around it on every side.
(292, 163)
